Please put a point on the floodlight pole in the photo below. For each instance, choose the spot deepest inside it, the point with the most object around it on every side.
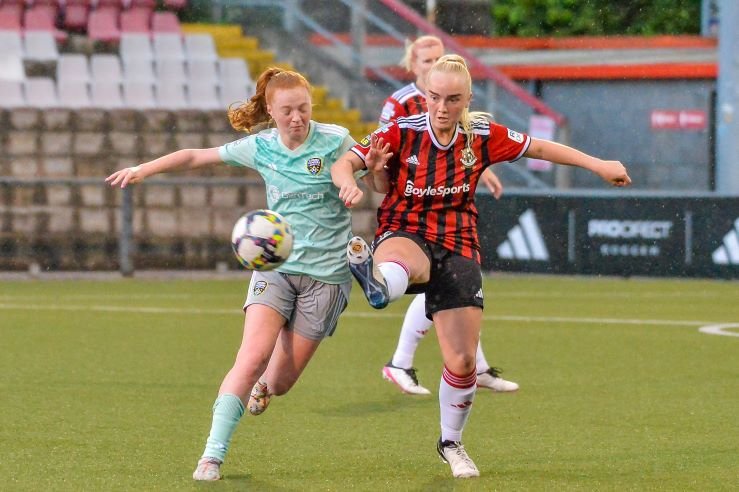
(727, 105)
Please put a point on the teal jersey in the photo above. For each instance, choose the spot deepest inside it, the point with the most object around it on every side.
(299, 187)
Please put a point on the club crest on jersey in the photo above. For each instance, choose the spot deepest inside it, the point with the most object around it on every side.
(314, 165)
(259, 287)
(468, 157)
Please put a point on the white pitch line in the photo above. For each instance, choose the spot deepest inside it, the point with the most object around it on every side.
(720, 329)
(375, 315)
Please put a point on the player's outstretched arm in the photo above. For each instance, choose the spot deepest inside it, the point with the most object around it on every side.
(611, 171)
(182, 160)
(342, 174)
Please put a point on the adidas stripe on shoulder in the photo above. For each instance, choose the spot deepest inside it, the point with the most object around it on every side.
(406, 92)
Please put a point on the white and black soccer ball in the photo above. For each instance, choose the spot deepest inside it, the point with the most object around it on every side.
(262, 240)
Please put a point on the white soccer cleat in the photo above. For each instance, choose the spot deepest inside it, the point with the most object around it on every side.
(369, 277)
(259, 398)
(491, 379)
(405, 379)
(453, 452)
(209, 469)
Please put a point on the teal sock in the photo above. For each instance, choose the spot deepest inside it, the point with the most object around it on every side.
(227, 411)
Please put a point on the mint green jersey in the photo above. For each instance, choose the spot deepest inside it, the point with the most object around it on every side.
(299, 187)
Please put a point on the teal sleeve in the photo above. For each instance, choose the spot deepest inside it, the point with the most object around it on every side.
(239, 153)
(346, 145)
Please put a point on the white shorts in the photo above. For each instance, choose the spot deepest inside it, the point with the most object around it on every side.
(311, 307)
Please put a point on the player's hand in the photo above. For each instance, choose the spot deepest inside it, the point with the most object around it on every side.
(615, 173)
(129, 175)
(350, 194)
(378, 155)
(492, 183)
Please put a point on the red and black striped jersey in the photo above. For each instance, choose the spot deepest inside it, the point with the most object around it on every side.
(406, 101)
(433, 185)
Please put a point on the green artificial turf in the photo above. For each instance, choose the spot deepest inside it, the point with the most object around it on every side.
(108, 385)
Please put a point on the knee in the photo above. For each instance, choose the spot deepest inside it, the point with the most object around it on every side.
(461, 363)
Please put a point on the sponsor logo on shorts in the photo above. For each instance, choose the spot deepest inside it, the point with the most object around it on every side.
(259, 287)
(314, 165)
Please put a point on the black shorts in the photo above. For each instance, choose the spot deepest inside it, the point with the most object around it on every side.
(455, 281)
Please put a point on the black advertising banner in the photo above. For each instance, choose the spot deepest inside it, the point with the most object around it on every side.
(611, 235)
(629, 237)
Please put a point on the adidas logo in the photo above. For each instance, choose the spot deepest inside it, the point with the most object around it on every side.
(412, 160)
(728, 252)
(525, 241)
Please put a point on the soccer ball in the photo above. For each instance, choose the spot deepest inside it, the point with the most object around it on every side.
(261, 240)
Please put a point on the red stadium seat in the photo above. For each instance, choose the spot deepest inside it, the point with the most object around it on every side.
(135, 20)
(175, 4)
(148, 4)
(165, 22)
(39, 19)
(10, 17)
(75, 17)
(103, 26)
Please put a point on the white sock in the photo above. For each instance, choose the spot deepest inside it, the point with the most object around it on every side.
(415, 327)
(396, 278)
(455, 403)
(481, 362)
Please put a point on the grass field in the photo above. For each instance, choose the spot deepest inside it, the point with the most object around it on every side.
(107, 385)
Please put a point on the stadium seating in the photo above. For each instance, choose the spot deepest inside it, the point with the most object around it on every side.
(170, 70)
(200, 47)
(106, 67)
(11, 44)
(11, 17)
(203, 95)
(73, 66)
(138, 94)
(40, 46)
(76, 13)
(41, 92)
(11, 67)
(102, 26)
(106, 94)
(136, 20)
(203, 70)
(165, 22)
(73, 93)
(11, 94)
(168, 45)
(135, 45)
(138, 69)
(170, 94)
